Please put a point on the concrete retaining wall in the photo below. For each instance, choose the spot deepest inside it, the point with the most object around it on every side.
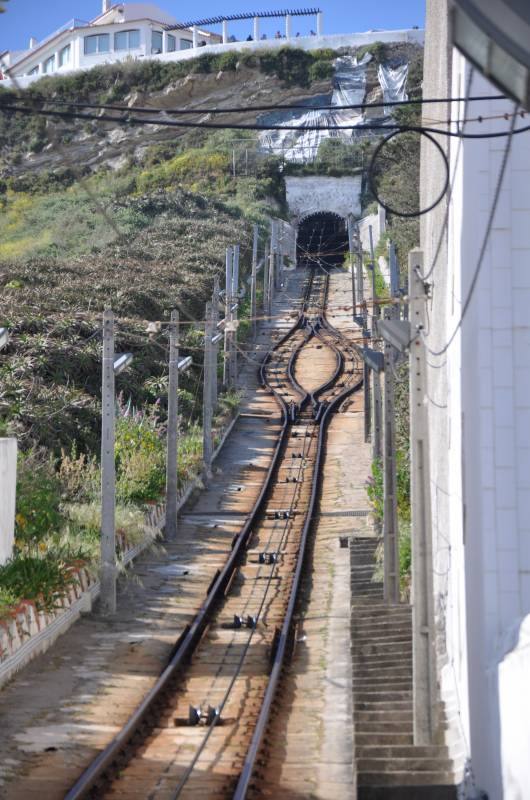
(314, 194)
(8, 481)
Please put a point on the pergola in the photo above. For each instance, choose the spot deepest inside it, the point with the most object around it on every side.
(255, 16)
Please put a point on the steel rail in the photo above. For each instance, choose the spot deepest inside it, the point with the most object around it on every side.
(190, 637)
(283, 640)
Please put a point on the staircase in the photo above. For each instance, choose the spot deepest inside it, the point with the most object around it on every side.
(389, 766)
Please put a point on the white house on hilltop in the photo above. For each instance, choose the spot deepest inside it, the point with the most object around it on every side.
(121, 31)
(135, 31)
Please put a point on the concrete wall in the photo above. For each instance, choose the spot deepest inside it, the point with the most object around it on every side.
(8, 480)
(311, 194)
(479, 426)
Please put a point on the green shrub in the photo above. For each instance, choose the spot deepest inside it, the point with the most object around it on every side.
(43, 579)
(38, 501)
(321, 70)
(8, 601)
(140, 456)
(228, 61)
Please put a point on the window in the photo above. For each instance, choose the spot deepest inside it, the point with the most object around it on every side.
(49, 64)
(185, 44)
(171, 43)
(34, 71)
(127, 40)
(99, 43)
(156, 42)
(64, 55)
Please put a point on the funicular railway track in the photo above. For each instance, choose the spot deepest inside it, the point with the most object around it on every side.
(201, 730)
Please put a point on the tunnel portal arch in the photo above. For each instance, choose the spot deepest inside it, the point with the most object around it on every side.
(322, 236)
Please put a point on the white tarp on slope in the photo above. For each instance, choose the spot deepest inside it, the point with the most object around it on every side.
(349, 89)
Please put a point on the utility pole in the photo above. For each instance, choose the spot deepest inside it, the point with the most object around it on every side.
(390, 522)
(377, 432)
(228, 315)
(271, 278)
(423, 666)
(207, 411)
(266, 265)
(253, 279)
(352, 264)
(108, 470)
(360, 276)
(375, 307)
(215, 310)
(233, 318)
(172, 429)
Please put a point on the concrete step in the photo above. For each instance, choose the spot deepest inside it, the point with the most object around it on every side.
(383, 696)
(402, 751)
(382, 705)
(407, 792)
(386, 739)
(383, 715)
(404, 778)
(383, 726)
(367, 687)
(402, 765)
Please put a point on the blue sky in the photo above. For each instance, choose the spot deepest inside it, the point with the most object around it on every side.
(25, 18)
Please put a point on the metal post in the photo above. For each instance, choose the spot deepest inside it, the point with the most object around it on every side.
(172, 429)
(253, 278)
(423, 665)
(108, 470)
(375, 307)
(352, 266)
(390, 522)
(207, 411)
(228, 315)
(271, 277)
(266, 265)
(215, 310)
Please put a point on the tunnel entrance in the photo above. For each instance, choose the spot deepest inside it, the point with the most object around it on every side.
(322, 237)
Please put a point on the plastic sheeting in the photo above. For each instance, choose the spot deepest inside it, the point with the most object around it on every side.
(349, 89)
(393, 81)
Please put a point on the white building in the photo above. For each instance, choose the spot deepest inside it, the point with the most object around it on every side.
(121, 31)
(478, 401)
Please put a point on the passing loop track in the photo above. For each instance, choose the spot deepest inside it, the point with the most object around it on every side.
(200, 729)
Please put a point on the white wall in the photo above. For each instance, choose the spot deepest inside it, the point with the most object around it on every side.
(8, 479)
(479, 426)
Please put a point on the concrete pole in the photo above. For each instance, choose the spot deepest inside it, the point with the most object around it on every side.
(228, 314)
(256, 29)
(390, 522)
(360, 276)
(367, 399)
(377, 431)
(253, 280)
(215, 308)
(288, 26)
(394, 270)
(272, 271)
(423, 632)
(225, 31)
(194, 35)
(172, 429)
(235, 300)
(375, 307)
(266, 265)
(319, 23)
(352, 265)
(207, 411)
(108, 471)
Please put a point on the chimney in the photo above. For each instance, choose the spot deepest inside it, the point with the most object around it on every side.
(32, 42)
(105, 6)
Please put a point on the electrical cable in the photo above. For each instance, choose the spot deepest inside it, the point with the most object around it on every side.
(267, 107)
(130, 120)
